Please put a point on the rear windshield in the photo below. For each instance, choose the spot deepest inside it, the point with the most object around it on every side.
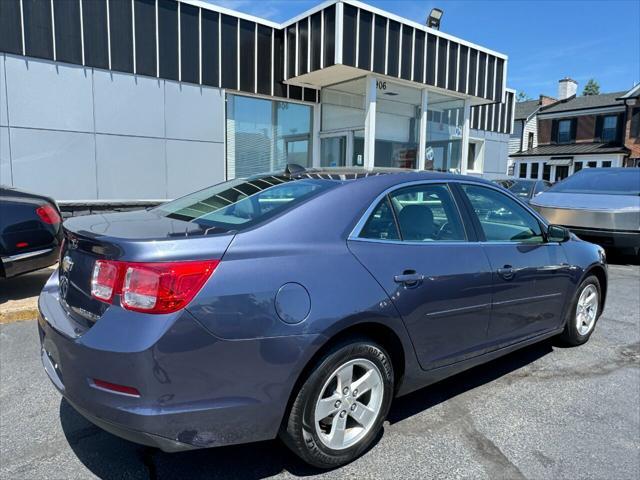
(241, 203)
(624, 181)
(518, 187)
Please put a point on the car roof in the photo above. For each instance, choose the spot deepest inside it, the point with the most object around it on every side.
(382, 177)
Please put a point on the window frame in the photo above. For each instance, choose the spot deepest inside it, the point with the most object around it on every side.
(560, 122)
(475, 221)
(614, 128)
(460, 208)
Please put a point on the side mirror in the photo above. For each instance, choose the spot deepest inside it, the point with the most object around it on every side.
(557, 233)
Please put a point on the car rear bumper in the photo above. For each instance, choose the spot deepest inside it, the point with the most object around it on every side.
(17, 264)
(196, 390)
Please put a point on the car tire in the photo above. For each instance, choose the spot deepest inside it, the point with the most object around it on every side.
(317, 439)
(584, 313)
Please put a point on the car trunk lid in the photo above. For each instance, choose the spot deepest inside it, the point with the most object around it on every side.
(132, 236)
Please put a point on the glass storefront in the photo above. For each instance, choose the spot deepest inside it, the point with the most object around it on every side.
(445, 119)
(264, 135)
(397, 133)
(397, 125)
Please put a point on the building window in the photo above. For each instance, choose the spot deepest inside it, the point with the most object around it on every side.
(592, 164)
(530, 141)
(562, 172)
(606, 164)
(523, 170)
(609, 128)
(577, 166)
(474, 160)
(444, 137)
(564, 131)
(534, 169)
(546, 171)
(265, 136)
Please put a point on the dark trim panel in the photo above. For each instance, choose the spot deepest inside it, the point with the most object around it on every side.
(38, 33)
(210, 38)
(68, 32)
(168, 39)
(95, 31)
(121, 28)
(145, 23)
(10, 27)
(498, 116)
(189, 44)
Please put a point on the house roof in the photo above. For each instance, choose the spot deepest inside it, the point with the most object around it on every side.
(571, 149)
(633, 93)
(584, 102)
(525, 109)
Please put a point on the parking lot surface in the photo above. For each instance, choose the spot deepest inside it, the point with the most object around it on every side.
(542, 412)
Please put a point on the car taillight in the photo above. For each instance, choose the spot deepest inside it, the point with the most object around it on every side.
(48, 214)
(150, 287)
(104, 280)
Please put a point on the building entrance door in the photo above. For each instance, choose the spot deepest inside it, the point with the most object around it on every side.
(342, 149)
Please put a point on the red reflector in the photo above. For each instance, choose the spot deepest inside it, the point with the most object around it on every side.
(22, 244)
(114, 387)
(48, 214)
(150, 287)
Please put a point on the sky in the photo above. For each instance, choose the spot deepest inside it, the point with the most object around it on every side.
(546, 40)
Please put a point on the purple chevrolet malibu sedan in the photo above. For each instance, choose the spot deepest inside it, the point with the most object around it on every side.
(300, 304)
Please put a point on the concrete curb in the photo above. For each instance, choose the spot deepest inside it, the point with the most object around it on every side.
(18, 315)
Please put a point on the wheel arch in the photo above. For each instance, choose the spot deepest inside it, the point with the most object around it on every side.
(382, 334)
(601, 274)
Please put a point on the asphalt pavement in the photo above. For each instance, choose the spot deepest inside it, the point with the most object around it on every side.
(543, 412)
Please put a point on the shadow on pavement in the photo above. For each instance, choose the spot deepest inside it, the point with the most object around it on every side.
(24, 286)
(110, 457)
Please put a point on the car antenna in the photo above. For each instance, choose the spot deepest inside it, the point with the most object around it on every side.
(293, 169)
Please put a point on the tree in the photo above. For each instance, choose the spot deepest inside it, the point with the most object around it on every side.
(591, 88)
(522, 96)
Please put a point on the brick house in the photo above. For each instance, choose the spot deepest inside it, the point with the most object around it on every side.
(573, 133)
(631, 100)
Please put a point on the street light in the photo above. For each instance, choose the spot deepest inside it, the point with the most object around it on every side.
(433, 20)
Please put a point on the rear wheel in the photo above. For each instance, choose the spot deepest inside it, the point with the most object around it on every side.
(339, 409)
(584, 312)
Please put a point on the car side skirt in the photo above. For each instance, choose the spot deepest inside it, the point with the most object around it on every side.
(416, 382)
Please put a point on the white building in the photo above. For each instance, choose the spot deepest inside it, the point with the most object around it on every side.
(122, 102)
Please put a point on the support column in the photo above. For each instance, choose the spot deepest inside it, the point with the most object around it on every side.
(422, 140)
(315, 136)
(464, 154)
(370, 123)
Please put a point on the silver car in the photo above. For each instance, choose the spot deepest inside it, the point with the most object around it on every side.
(599, 205)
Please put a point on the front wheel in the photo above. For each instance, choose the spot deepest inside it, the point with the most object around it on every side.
(339, 409)
(584, 312)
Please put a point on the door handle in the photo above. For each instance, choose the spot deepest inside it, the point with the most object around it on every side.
(409, 278)
(507, 272)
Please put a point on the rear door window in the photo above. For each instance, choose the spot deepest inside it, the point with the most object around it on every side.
(421, 213)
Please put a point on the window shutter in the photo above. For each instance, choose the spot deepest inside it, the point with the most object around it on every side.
(635, 123)
(598, 134)
(554, 131)
(620, 128)
(574, 124)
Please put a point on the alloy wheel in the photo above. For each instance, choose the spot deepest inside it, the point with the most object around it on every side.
(349, 404)
(587, 309)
